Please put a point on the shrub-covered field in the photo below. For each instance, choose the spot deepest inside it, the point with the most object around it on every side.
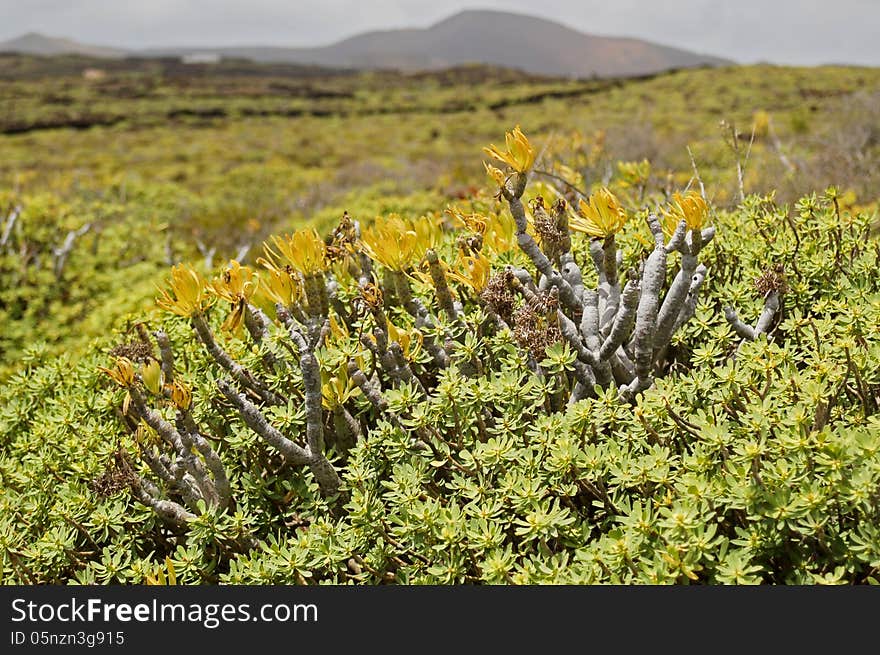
(631, 346)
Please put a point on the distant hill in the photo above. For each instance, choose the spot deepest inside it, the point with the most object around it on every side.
(39, 44)
(527, 43)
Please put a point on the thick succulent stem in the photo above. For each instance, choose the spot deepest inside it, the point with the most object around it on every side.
(690, 304)
(173, 477)
(257, 324)
(371, 392)
(181, 445)
(404, 372)
(256, 421)
(589, 329)
(765, 320)
(585, 382)
(674, 301)
(743, 330)
(609, 288)
(621, 367)
(167, 510)
(322, 469)
(570, 333)
(239, 373)
(212, 459)
(530, 247)
(441, 285)
(167, 355)
(317, 300)
(424, 320)
(646, 314)
(347, 428)
(311, 374)
(771, 307)
(573, 275)
(623, 321)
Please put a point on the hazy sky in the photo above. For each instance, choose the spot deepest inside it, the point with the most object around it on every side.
(780, 31)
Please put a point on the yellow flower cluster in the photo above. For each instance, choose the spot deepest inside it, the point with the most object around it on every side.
(410, 340)
(690, 208)
(498, 231)
(398, 243)
(187, 294)
(237, 285)
(472, 270)
(518, 155)
(601, 216)
(122, 372)
(303, 250)
(279, 286)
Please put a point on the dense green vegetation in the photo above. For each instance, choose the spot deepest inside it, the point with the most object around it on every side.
(738, 460)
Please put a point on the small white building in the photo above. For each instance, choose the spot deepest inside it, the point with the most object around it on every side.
(201, 58)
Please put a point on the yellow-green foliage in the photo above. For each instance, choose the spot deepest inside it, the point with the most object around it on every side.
(758, 468)
(742, 463)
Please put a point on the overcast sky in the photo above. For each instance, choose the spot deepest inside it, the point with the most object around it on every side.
(780, 31)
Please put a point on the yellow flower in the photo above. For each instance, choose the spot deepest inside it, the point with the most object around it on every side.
(473, 222)
(372, 295)
(122, 372)
(500, 235)
(398, 243)
(520, 155)
(151, 374)
(187, 295)
(690, 207)
(498, 231)
(236, 285)
(410, 342)
(634, 173)
(304, 250)
(496, 174)
(601, 217)
(473, 271)
(181, 395)
(278, 285)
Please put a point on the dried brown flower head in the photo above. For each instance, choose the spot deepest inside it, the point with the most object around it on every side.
(499, 295)
(536, 325)
(343, 239)
(772, 279)
(552, 230)
(117, 475)
(136, 351)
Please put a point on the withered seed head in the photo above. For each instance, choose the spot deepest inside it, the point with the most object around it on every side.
(499, 294)
(552, 232)
(772, 279)
(535, 324)
(136, 351)
(343, 239)
(117, 475)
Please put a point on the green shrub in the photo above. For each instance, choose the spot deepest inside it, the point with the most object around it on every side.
(415, 412)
